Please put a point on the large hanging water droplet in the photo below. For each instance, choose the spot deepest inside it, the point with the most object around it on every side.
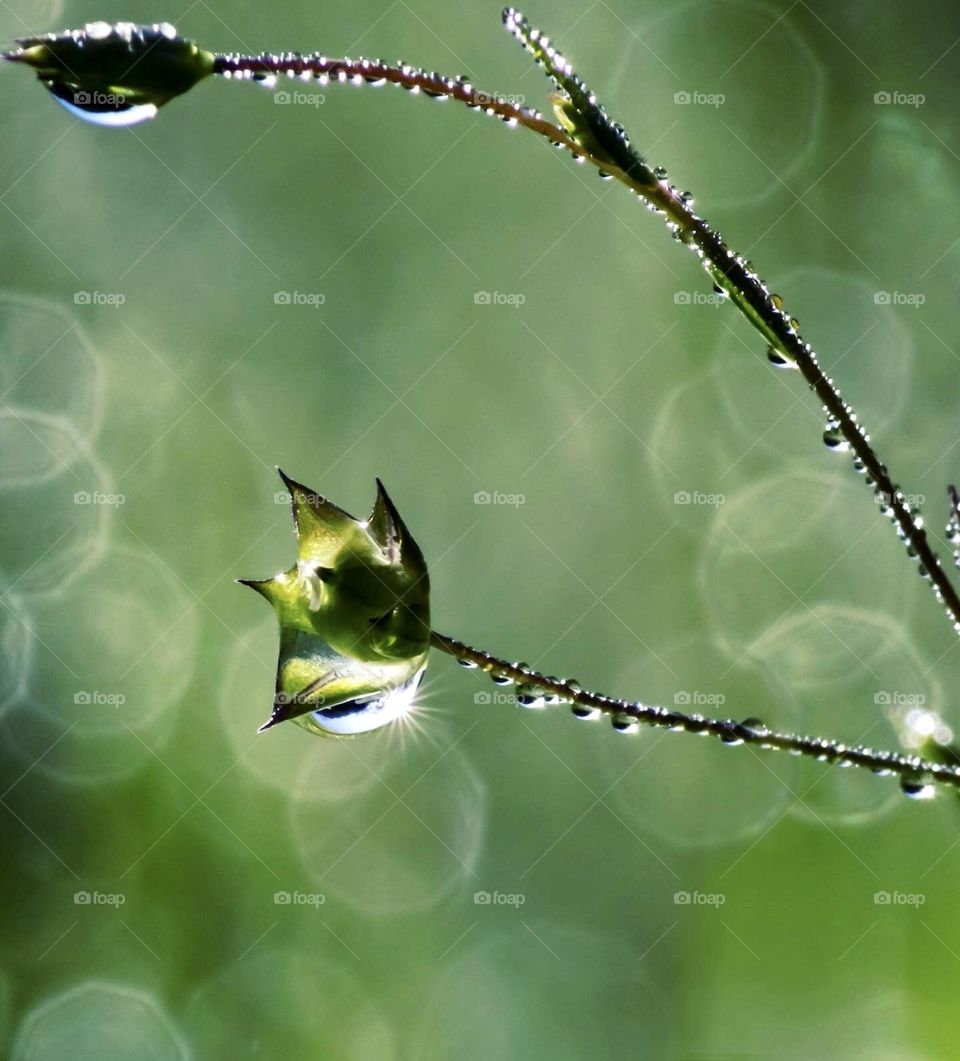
(917, 786)
(101, 108)
(530, 697)
(833, 438)
(778, 359)
(115, 74)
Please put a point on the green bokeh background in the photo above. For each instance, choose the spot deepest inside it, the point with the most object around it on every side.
(610, 390)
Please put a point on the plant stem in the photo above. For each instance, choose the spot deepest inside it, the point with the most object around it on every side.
(591, 135)
(916, 774)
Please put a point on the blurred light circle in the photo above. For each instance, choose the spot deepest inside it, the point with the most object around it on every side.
(489, 1000)
(284, 1005)
(404, 843)
(118, 649)
(98, 1020)
(58, 503)
(49, 365)
(692, 791)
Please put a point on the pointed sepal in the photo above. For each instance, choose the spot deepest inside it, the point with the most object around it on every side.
(354, 616)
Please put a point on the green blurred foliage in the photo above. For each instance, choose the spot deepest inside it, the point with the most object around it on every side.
(280, 896)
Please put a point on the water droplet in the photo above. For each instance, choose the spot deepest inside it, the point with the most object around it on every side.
(660, 173)
(530, 697)
(833, 438)
(588, 714)
(624, 723)
(501, 679)
(917, 786)
(777, 302)
(776, 358)
(101, 108)
(467, 664)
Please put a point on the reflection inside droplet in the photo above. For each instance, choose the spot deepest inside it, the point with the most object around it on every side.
(366, 713)
(101, 108)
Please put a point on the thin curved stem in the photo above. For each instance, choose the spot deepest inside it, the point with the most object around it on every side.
(916, 775)
(588, 133)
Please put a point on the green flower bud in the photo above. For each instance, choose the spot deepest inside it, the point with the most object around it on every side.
(354, 614)
(114, 74)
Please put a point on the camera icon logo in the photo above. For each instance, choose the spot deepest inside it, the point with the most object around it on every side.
(482, 497)
(282, 298)
(681, 97)
(481, 898)
(881, 97)
(681, 898)
(482, 298)
(682, 497)
(483, 697)
(82, 898)
(882, 298)
(81, 298)
(281, 97)
(281, 898)
(682, 697)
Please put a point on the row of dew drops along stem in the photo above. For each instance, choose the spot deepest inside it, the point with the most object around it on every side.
(374, 72)
(916, 785)
(582, 114)
(560, 70)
